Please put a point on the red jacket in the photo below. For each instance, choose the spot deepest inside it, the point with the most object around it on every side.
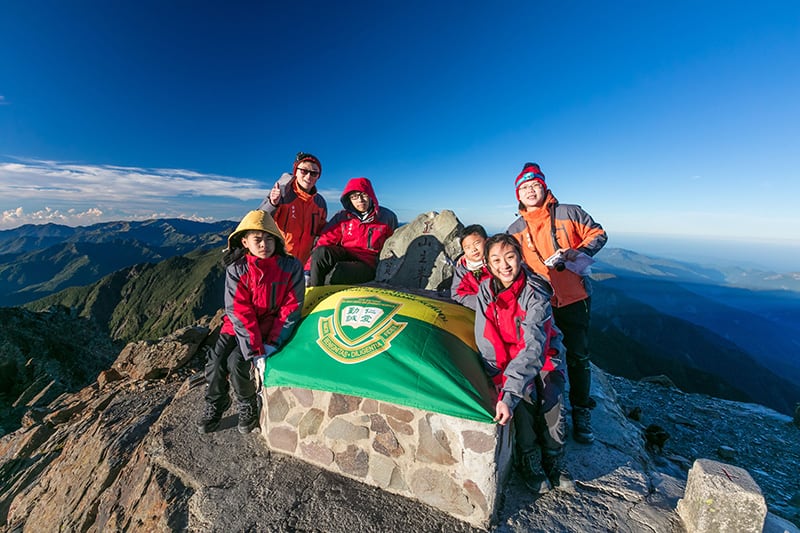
(299, 215)
(464, 289)
(574, 228)
(263, 300)
(516, 334)
(361, 235)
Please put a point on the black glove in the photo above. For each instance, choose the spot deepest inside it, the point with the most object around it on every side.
(231, 256)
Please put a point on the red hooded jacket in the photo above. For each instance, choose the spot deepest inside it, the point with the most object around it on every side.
(464, 289)
(263, 300)
(362, 235)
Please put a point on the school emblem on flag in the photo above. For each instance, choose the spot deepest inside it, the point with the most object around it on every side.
(359, 329)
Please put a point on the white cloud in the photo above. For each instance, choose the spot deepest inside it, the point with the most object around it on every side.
(38, 192)
(13, 218)
(333, 197)
(3, 100)
(62, 181)
(71, 217)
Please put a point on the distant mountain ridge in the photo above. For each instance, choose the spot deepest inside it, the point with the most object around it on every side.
(630, 263)
(744, 307)
(634, 340)
(40, 260)
(181, 234)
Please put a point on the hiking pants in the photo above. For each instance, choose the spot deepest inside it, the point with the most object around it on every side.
(334, 265)
(573, 321)
(223, 361)
(540, 420)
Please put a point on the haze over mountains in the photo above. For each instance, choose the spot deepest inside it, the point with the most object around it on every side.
(755, 310)
(702, 326)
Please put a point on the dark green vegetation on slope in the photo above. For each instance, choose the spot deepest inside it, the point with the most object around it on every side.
(151, 300)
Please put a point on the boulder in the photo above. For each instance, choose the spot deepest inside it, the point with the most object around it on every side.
(420, 254)
(721, 497)
(154, 360)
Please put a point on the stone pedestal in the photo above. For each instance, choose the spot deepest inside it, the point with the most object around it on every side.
(452, 464)
(721, 498)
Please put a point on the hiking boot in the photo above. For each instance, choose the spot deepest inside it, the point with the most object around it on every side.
(556, 471)
(582, 425)
(248, 415)
(212, 414)
(533, 475)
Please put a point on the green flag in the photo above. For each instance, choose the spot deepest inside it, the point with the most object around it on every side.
(387, 345)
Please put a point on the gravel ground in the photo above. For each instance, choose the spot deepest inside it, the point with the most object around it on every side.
(760, 440)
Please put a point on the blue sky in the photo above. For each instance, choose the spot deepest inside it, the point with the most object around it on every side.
(660, 119)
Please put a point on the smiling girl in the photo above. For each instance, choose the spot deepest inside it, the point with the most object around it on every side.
(522, 353)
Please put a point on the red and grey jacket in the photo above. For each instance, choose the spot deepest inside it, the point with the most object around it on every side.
(361, 235)
(574, 228)
(464, 289)
(263, 300)
(299, 215)
(516, 334)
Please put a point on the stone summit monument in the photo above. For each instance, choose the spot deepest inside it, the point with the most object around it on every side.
(420, 254)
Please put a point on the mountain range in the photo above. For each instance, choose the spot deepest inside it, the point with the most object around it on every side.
(757, 311)
(704, 327)
(36, 261)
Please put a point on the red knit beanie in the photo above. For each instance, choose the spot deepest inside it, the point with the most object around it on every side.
(530, 172)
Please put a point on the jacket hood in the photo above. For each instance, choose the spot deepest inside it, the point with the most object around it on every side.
(254, 221)
(359, 185)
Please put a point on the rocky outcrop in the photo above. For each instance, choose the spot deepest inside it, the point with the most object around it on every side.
(757, 439)
(44, 355)
(152, 360)
(721, 497)
(126, 456)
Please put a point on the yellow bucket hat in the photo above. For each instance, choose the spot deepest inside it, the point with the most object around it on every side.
(257, 220)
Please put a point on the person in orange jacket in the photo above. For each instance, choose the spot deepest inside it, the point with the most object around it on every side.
(544, 227)
(296, 206)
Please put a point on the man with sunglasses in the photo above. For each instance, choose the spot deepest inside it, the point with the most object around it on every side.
(296, 206)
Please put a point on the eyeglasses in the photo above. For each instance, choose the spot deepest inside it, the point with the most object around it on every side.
(525, 187)
(359, 196)
(305, 171)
